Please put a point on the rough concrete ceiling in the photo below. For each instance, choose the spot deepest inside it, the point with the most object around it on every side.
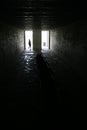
(39, 13)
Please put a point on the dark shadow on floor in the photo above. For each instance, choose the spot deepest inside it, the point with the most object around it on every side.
(32, 99)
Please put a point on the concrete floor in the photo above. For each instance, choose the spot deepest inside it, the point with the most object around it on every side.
(41, 91)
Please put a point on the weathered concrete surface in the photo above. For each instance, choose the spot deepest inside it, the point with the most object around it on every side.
(70, 43)
(68, 60)
(11, 42)
(41, 92)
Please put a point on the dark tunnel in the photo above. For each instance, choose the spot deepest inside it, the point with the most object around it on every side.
(43, 81)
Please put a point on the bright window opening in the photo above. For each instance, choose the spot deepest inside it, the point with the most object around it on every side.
(29, 40)
(45, 40)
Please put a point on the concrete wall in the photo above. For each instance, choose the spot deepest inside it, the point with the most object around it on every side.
(70, 43)
(53, 39)
(37, 39)
(11, 42)
(48, 40)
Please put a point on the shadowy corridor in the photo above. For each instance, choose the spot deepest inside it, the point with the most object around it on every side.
(43, 89)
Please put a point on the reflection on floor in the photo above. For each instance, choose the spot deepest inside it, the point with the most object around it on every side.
(42, 91)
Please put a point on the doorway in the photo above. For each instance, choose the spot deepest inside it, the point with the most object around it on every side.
(28, 36)
(45, 40)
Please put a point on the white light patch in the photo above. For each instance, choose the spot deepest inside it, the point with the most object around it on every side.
(28, 35)
(45, 40)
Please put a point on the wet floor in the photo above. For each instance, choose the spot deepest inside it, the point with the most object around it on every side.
(34, 94)
(28, 95)
(42, 91)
